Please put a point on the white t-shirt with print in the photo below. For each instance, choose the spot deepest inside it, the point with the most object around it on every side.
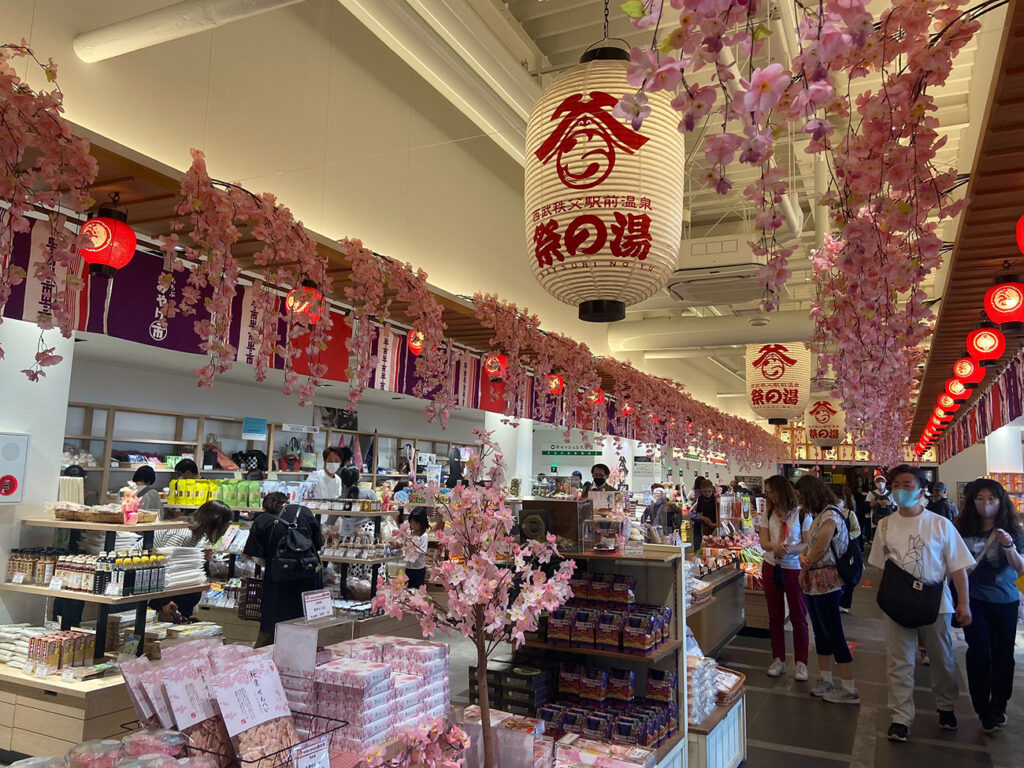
(791, 561)
(926, 546)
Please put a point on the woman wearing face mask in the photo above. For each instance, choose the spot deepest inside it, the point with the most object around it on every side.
(327, 481)
(600, 474)
(992, 532)
(920, 552)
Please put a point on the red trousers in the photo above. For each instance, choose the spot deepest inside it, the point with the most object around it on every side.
(794, 595)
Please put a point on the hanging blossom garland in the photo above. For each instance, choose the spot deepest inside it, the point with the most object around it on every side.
(366, 293)
(886, 195)
(44, 168)
(514, 334)
(215, 212)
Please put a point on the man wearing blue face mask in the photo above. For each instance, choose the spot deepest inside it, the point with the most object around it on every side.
(919, 553)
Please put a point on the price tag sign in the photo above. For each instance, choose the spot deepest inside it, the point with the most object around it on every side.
(112, 590)
(18, 578)
(67, 676)
(56, 584)
(633, 549)
(317, 604)
(311, 754)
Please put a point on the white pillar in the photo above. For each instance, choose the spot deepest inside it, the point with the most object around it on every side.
(40, 410)
(1004, 451)
(515, 443)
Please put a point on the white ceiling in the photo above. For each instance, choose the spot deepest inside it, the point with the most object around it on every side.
(337, 119)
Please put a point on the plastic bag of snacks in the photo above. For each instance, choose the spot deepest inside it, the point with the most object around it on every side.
(148, 761)
(102, 753)
(195, 710)
(153, 743)
(200, 761)
(40, 762)
(255, 710)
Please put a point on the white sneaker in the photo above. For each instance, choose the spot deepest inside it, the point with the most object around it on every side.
(822, 688)
(842, 696)
(801, 672)
(777, 669)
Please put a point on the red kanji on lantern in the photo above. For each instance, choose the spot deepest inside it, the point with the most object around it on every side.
(948, 404)
(306, 300)
(416, 341)
(1004, 303)
(632, 236)
(555, 384)
(957, 389)
(596, 397)
(110, 241)
(496, 366)
(969, 372)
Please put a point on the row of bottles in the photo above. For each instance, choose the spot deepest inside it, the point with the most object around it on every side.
(112, 573)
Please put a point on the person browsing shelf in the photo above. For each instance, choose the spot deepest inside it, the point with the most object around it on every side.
(186, 469)
(149, 497)
(416, 550)
(704, 513)
(327, 481)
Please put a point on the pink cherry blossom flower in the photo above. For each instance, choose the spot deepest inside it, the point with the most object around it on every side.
(765, 88)
(632, 107)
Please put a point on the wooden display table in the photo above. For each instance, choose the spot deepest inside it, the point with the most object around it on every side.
(721, 740)
(716, 622)
(42, 716)
(756, 609)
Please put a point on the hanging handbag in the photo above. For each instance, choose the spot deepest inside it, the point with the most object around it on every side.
(851, 564)
(307, 457)
(909, 601)
(288, 460)
(251, 461)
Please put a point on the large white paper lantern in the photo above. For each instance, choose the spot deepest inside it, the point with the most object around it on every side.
(604, 203)
(778, 380)
(825, 422)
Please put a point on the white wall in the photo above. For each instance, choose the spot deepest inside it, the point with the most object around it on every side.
(39, 410)
(964, 467)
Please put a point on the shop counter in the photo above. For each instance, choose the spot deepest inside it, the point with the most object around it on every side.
(757, 609)
(721, 740)
(718, 621)
(43, 716)
(236, 630)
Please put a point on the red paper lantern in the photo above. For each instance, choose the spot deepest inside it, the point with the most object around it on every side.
(306, 300)
(1020, 234)
(555, 384)
(957, 389)
(986, 344)
(1004, 304)
(627, 409)
(941, 416)
(947, 403)
(969, 372)
(416, 340)
(496, 366)
(596, 397)
(111, 241)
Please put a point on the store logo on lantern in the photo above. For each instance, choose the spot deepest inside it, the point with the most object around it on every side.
(986, 341)
(98, 232)
(1007, 297)
(773, 361)
(822, 411)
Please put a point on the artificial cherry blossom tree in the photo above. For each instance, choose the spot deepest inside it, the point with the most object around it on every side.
(430, 745)
(496, 588)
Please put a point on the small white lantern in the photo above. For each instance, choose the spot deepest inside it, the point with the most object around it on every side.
(778, 380)
(604, 203)
(825, 422)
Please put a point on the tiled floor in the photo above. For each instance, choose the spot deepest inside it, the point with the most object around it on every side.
(789, 729)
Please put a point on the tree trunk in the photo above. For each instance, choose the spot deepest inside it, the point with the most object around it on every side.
(490, 760)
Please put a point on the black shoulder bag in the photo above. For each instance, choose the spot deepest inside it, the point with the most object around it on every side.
(295, 556)
(851, 564)
(907, 600)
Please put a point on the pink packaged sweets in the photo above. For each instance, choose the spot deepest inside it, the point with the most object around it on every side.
(102, 753)
(147, 761)
(255, 710)
(195, 709)
(365, 732)
(153, 688)
(153, 743)
(223, 657)
(406, 684)
(201, 761)
(352, 673)
(419, 651)
(132, 671)
(412, 665)
(297, 683)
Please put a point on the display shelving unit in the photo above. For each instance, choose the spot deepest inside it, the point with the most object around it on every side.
(103, 429)
(104, 602)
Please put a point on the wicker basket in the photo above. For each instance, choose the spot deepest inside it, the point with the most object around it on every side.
(250, 600)
(725, 698)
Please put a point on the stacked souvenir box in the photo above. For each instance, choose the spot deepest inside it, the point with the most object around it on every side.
(574, 750)
(520, 741)
(380, 686)
(640, 629)
(519, 689)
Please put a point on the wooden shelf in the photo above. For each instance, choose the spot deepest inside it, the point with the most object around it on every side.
(78, 689)
(694, 610)
(81, 525)
(649, 556)
(100, 438)
(191, 507)
(669, 745)
(88, 597)
(658, 654)
(360, 560)
(154, 441)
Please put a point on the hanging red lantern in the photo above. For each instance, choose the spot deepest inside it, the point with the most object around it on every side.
(947, 403)
(496, 366)
(555, 384)
(416, 341)
(1004, 303)
(627, 408)
(941, 416)
(969, 372)
(1020, 234)
(111, 242)
(957, 389)
(306, 300)
(596, 397)
(986, 344)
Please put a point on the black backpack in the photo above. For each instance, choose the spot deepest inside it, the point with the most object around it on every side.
(851, 564)
(295, 556)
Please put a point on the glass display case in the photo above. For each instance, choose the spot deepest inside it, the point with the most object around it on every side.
(565, 518)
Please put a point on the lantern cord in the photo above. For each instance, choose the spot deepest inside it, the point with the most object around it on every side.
(605, 20)
(106, 305)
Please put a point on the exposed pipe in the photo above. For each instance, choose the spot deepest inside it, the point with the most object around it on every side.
(686, 332)
(692, 353)
(165, 24)
(459, 26)
(401, 28)
(821, 212)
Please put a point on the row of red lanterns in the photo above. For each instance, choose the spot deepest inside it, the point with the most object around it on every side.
(986, 344)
